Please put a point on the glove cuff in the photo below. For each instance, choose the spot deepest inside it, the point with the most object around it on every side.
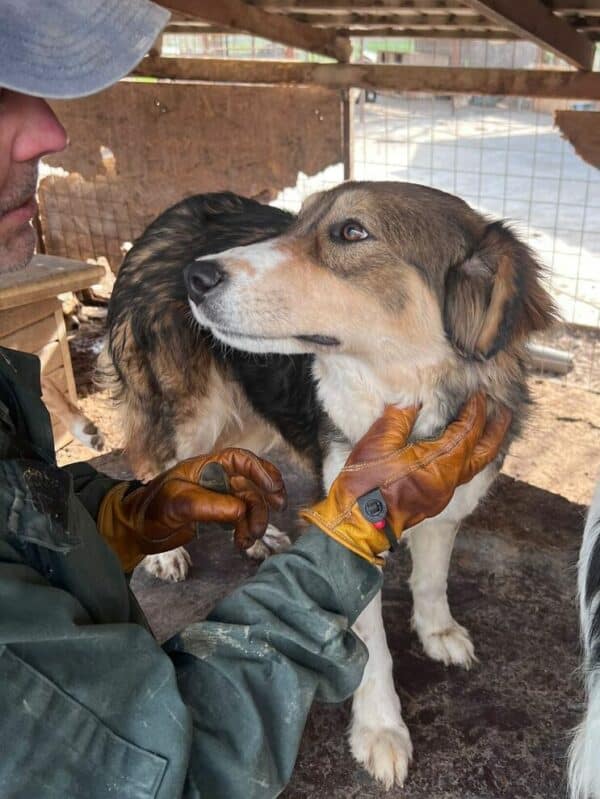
(352, 531)
(114, 528)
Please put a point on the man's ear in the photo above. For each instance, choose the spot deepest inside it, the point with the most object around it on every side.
(496, 296)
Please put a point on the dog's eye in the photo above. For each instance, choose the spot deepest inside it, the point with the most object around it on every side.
(352, 231)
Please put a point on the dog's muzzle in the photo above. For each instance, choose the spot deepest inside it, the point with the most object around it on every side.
(202, 276)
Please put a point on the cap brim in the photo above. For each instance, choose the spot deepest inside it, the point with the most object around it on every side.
(68, 49)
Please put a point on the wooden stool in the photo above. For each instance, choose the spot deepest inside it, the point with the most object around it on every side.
(31, 318)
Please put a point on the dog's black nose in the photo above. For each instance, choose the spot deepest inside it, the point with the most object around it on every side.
(202, 276)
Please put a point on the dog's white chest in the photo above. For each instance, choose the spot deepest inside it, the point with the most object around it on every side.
(352, 395)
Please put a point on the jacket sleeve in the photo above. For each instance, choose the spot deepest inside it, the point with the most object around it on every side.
(90, 486)
(251, 671)
(95, 707)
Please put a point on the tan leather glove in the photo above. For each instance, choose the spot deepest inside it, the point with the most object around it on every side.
(389, 484)
(163, 514)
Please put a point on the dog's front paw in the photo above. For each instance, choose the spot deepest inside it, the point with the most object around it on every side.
(272, 542)
(87, 432)
(451, 646)
(173, 565)
(385, 752)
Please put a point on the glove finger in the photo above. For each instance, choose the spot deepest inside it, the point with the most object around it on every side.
(266, 477)
(239, 485)
(241, 537)
(467, 429)
(253, 524)
(387, 434)
(490, 443)
(191, 503)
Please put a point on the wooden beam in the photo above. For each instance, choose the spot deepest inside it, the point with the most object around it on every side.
(563, 84)
(405, 6)
(238, 15)
(387, 32)
(585, 7)
(531, 19)
(429, 33)
(400, 21)
(377, 6)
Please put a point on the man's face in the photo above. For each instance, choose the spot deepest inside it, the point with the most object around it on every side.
(28, 130)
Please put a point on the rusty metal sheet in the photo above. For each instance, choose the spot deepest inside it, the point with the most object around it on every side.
(137, 148)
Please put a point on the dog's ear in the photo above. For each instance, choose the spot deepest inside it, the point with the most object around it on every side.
(496, 296)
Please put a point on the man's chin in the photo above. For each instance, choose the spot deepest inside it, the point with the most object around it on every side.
(17, 251)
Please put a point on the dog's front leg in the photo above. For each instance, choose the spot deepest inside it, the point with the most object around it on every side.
(431, 544)
(442, 637)
(379, 738)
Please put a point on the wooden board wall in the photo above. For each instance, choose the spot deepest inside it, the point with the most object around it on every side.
(582, 129)
(135, 149)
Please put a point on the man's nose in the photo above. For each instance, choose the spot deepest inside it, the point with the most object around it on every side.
(38, 131)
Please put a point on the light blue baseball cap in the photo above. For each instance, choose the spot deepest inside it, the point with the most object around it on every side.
(71, 48)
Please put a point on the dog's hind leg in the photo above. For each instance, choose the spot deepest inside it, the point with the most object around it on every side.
(379, 738)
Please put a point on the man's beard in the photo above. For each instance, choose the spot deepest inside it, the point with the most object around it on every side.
(17, 246)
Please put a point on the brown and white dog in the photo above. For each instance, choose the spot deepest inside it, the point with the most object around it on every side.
(376, 293)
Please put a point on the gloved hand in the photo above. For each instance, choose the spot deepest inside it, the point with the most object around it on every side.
(162, 514)
(410, 481)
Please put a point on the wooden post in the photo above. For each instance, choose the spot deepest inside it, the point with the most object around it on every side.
(348, 133)
(156, 49)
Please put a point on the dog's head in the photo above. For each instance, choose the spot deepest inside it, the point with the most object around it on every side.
(376, 268)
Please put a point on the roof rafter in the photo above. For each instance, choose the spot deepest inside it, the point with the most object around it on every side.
(238, 15)
(531, 19)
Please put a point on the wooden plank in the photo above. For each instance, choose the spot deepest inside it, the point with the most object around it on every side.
(448, 32)
(66, 355)
(276, 27)
(584, 7)
(532, 20)
(400, 21)
(46, 276)
(407, 6)
(33, 337)
(560, 84)
(59, 378)
(62, 436)
(360, 6)
(348, 133)
(12, 319)
(582, 130)
(430, 33)
(50, 357)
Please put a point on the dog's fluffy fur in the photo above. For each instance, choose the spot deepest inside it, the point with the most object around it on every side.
(377, 293)
(584, 761)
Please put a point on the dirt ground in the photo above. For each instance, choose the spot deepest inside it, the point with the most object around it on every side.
(559, 451)
(499, 731)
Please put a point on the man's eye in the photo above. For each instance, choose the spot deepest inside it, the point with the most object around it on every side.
(352, 231)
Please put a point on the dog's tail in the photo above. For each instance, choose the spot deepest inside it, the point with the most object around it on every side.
(584, 755)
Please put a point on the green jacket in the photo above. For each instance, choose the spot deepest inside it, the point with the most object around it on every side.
(90, 705)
